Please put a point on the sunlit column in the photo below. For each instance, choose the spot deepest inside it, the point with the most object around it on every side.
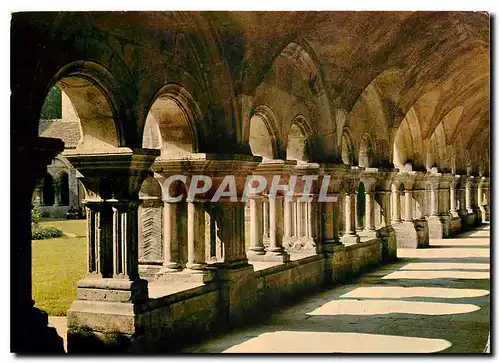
(369, 212)
(171, 237)
(288, 219)
(196, 236)
(276, 226)
(434, 200)
(408, 205)
(256, 219)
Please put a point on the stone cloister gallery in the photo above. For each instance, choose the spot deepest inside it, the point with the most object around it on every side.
(391, 107)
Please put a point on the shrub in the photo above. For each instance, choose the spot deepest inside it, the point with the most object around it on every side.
(35, 218)
(46, 232)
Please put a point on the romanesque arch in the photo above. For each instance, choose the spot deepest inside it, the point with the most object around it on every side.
(366, 152)
(298, 146)
(263, 134)
(86, 86)
(347, 149)
(172, 123)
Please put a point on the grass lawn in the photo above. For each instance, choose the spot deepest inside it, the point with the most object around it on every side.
(58, 264)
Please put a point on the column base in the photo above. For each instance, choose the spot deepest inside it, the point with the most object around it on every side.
(101, 327)
(168, 268)
(256, 251)
(439, 226)
(187, 276)
(349, 239)
(369, 233)
(455, 224)
(389, 243)
(469, 219)
(330, 244)
(412, 234)
(277, 254)
(103, 318)
(112, 289)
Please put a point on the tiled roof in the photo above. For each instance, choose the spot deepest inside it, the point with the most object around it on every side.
(69, 132)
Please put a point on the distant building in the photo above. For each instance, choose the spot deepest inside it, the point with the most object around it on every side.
(59, 191)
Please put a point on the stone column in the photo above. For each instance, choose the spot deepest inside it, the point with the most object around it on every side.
(112, 180)
(29, 332)
(171, 238)
(453, 200)
(300, 218)
(408, 206)
(434, 200)
(481, 203)
(468, 196)
(350, 236)
(328, 223)
(369, 210)
(288, 225)
(265, 219)
(125, 240)
(231, 225)
(310, 244)
(395, 205)
(196, 236)
(57, 192)
(275, 251)
(256, 226)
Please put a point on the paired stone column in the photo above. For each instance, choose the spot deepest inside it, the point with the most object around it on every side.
(369, 179)
(29, 332)
(112, 286)
(395, 204)
(350, 185)
(277, 211)
(275, 251)
(438, 219)
(412, 233)
(331, 180)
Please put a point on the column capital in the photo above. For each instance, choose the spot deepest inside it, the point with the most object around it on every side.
(112, 174)
(408, 178)
(336, 172)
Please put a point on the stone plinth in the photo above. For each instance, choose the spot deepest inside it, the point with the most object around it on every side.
(412, 234)
(439, 226)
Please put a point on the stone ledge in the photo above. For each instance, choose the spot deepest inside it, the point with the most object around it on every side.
(287, 266)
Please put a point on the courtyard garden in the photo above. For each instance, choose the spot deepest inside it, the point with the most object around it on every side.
(58, 264)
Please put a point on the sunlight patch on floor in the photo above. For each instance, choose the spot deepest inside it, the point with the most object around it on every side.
(448, 274)
(443, 253)
(445, 266)
(406, 292)
(327, 342)
(461, 242)
(375, 307)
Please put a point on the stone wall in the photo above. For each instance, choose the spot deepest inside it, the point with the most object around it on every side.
(349, 261)
(234, 297)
